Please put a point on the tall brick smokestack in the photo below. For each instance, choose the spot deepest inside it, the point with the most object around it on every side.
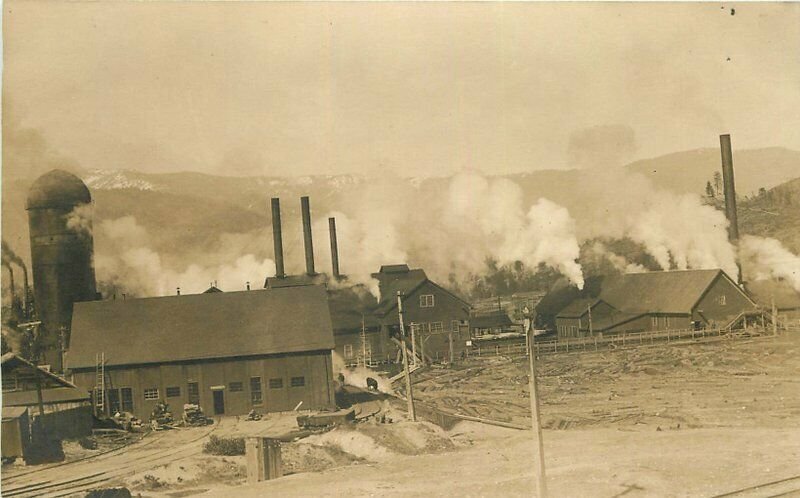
(277, 238)
(308, 242)
(334, 248)
(729, 186)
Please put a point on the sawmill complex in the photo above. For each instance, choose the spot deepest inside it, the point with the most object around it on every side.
(637, 302)
(226, 351)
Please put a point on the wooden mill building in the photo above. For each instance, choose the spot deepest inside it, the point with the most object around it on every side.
(659, 300)
(229, 352)
(436, 314)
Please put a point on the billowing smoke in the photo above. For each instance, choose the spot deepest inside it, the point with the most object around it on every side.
(455, 232)
(9, 256)
(766, 258)
(619, 262)
(357, 376)
(125, 261)
(80, 219)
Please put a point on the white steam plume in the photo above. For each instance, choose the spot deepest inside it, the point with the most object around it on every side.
(357, 376)
(766, 258)
(125, 260)
(619, 262)
(454, 232)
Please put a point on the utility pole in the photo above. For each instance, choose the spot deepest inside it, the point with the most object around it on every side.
(539, 477)
(63, 346)
(589, 307)
(363, 341)
(409, 393)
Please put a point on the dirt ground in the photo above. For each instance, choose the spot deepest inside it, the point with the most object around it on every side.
(741, 383)
(676, 420)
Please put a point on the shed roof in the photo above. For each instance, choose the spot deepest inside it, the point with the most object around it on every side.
(10, 412)
(49, 396)
(498, 318)
(578, 307)
(11, 361)
(764, 291)
(201, 326)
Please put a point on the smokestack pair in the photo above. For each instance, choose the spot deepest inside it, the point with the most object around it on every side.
(729, 187)
(280, 270)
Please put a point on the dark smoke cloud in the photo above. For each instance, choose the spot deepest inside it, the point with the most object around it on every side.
(9, 256)
(602, 146)
(26, 153)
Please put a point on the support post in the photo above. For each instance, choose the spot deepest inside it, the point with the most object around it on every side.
(409, 392)
(413, 343)
(774, 318)
(539, 476)
(263, 457)
(450, 339)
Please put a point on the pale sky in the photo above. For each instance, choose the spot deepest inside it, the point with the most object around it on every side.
(417, 88)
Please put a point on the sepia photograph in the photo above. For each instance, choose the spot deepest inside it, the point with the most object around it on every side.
(541, 249)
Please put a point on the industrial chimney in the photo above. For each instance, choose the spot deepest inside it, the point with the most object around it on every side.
(730, 197)
(309, 244)
(277, 237)
(334, 248)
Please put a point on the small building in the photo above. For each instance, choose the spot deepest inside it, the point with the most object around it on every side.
(229, 352)
(660, 300)
(356, 329)
(493, 322)
(67, 409)
(439, 317)
(780, 293)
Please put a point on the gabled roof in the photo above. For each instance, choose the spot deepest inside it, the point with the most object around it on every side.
(201, 326)
(212, 290)
(407, 286)
(765, 291)
(675, 291)
(397, 278)
(634, 294)
(498, 318)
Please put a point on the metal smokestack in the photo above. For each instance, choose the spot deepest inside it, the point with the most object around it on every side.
(277, 237)
(730, 196)
(334, 248)
(309, 243)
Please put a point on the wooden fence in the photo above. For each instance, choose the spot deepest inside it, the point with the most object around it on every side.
(621, 340)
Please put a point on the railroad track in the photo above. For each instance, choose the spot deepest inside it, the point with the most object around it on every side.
(97, 456)
(788, 487)
(71, 485)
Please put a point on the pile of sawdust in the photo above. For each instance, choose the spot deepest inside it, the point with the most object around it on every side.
(302, 457)
(190, 472)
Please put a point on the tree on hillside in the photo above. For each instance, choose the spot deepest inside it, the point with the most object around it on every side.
(710, 190)
(717, 182)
